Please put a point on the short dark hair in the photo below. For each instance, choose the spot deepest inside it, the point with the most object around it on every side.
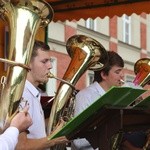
(113, 60)
(39, 45)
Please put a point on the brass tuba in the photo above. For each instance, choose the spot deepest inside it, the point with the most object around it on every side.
(23, 17)
(86, 53)
(142, 71)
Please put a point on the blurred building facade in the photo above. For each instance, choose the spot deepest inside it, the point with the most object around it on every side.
(129, 36)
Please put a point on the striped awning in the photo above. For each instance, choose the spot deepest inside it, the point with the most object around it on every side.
(77, 9)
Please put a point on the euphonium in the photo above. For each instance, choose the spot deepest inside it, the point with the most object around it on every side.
(24, 17)
(142, 71)
(86, 53)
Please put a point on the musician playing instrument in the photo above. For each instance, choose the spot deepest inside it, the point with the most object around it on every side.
(40, 66)
(104, 79)
(111, 75)
(18, 124)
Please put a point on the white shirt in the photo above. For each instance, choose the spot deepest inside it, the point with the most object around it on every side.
(84, 99)
(32, 96)
(9, 139)
(87, 96)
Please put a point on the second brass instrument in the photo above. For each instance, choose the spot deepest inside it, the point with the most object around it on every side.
(86, 53)
(142, 71)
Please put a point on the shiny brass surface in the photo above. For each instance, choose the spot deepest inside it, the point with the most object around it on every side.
(142, 71)
(50, 75)
(23, 17)
(85, 54)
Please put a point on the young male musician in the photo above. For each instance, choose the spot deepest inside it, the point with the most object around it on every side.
(111, 75)
(40, 66)
(104, 79)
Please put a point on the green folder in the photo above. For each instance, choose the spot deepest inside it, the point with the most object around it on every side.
(115, 97)
(144, 104)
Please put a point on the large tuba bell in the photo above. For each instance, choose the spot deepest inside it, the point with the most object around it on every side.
(142, 71)
(23, 17)
(86, 53)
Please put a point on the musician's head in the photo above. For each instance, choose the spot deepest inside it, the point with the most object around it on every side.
(40, 63)
(112, 73)
(39, 45)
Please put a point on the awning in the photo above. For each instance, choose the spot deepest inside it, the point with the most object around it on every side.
(77, 9)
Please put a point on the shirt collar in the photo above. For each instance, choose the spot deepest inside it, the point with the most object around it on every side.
(32, 89)
(100, 90)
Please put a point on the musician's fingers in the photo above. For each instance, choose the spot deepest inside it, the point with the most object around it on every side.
(61, 140)
(25, 109)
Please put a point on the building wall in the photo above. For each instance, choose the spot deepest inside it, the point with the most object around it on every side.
(109, 32)
(148, 33)
(135, 30)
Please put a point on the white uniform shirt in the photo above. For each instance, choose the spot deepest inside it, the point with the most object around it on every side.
(84, 99)
(32, 96)
(87, 96)
(9, 139)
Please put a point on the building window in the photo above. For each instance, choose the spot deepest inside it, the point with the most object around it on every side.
(126, 29)
(90, 78)
(129, 78)
(90, 24)
(51, 85)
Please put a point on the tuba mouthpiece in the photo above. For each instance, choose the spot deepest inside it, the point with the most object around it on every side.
(50, 75)
(122, 81)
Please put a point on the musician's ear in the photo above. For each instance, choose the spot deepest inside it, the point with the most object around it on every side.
(103, 75)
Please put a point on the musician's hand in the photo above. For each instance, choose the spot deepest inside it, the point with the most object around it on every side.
(57, 141)
(22, 120)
